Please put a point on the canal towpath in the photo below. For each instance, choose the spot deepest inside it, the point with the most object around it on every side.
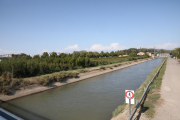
(170, 92)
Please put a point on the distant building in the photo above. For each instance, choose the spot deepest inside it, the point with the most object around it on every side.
(140, 53)
(149, 53)
(12, 55)
(154, 54)
(122, 55)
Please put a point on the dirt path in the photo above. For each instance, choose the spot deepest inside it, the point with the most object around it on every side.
(170, 92)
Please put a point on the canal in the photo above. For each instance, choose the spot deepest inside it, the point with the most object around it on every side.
(92, 99)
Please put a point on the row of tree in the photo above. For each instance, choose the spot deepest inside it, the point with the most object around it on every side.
(51, 62)
(175, 53)
(23, 67)
(91, 54)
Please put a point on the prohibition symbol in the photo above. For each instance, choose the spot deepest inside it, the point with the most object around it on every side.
(129, 94)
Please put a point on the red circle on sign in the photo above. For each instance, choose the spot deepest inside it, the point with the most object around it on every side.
(128, 96)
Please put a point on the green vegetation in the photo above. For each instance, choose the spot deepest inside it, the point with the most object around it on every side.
(7, 83)
(175, 53)
(152, 96)
(51, 67)
(83, 70)
(119, 110)
(50, 63)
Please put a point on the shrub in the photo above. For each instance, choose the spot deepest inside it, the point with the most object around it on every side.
(102, 68)
(119, 64)
(6, 91)
(110, 67)
(6, 78)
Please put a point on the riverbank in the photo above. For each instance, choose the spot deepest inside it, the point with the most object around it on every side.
(82, 76)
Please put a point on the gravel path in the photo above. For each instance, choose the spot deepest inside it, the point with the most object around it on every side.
(170, 92)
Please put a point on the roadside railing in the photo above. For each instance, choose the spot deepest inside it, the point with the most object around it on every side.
(145, 91)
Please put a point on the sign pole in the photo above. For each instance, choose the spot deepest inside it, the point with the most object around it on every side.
(129, 95)
(129, 108)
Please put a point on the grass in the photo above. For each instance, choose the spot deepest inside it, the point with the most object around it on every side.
(152, 97)
(119, 110)
(83, 70)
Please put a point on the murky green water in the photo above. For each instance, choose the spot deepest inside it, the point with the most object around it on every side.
(92, 99)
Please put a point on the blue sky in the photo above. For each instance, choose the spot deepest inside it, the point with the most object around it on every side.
(35, 26)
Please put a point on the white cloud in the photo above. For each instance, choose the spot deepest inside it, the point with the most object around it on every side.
(70, 49)
(73, 47)
(112, 47)
(44, 51)
(167, 46)
(95, 47)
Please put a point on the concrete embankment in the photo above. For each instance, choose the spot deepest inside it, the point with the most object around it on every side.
(82, 76)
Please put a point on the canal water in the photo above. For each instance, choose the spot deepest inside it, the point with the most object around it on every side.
(92, 99)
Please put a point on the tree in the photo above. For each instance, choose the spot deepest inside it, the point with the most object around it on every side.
(107, 54)
(112, 53)
(87, 61)
(118, 53)
(102, 54)
(132, 54)
(176, 52)
(80, 62)
(76, 54)
(122, 53)
(89, 54)
(72, 62)
(125, 52)
(62, 55)
(161, 51)
(96, 54)
(178, 56)
(45, 55)
(27, 57)
(83, 54)
(53, 55)
(36, 57)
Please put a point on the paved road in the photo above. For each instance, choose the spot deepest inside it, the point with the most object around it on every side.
(170, 92)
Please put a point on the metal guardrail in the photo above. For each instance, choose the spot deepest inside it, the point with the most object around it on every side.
(139, 103)
(5, 115)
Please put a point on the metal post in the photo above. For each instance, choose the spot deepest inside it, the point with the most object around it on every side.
(129, 108)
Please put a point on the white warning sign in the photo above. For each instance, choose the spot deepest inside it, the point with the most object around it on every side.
(129, 94)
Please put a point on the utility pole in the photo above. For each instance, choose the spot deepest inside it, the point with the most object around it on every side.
(154, 51)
